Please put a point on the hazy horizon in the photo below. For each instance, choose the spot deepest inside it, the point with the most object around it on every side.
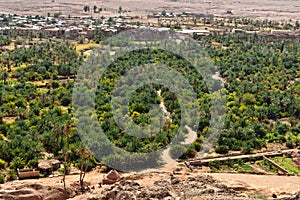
(273, 9)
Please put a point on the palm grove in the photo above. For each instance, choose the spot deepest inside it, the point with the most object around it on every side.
(261, 83)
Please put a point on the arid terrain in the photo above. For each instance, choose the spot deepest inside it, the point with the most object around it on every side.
(171, 182)
(271, 9)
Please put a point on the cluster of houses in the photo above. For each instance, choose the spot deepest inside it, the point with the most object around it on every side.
(73, 27)
(183, 14)
(62, 26)
(70, 27)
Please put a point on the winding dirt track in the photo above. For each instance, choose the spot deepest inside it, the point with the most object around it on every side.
(190, 137)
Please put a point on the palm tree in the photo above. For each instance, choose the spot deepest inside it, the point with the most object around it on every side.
(65, 153)
(66, 149)
(85, 155)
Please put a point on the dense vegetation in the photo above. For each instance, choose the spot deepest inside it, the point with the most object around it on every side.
(35, 104)
(261, 78)
(142, 100)
(263, 90)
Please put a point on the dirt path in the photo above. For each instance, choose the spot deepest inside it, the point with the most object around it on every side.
(217, 76)
(163, 107)
(93, 178)
(268, 184)
(190, 137)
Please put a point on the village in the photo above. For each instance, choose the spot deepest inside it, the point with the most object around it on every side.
(73, 27)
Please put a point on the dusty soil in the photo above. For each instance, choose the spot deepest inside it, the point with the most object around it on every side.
(173, 181)
(266, 184)
(272, 9)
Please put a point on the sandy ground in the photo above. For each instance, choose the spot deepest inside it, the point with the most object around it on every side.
(264, 184)
(272, 9)
(268, 184)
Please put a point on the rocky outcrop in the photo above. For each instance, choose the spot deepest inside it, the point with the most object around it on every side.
(33, 192)
(200, 187)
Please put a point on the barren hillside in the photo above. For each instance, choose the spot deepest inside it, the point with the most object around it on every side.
(272, 9)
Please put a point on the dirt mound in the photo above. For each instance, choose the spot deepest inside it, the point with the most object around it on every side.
(33, 192)
(199, 187)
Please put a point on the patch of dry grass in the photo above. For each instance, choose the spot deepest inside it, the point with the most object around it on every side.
(85, 47)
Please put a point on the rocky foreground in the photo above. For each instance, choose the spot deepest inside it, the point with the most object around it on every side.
(33, 192)
(200, 187)
(197, 188)
(140, 186)
(176, 182)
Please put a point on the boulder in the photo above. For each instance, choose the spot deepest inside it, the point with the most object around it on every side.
(112, 177)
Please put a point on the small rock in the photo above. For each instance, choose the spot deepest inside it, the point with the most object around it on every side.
(175, 181)
(191, 179)
(178, 169)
